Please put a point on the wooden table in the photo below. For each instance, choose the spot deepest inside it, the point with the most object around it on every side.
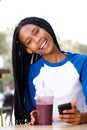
(53, 127)
(4, 71)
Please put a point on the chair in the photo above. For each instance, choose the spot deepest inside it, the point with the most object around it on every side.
(6, 110)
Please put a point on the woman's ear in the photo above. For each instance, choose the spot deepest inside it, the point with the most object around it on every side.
(29, 51)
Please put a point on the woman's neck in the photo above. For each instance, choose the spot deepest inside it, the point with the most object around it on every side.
(56, 57)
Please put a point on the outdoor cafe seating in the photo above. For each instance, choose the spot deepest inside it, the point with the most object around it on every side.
(5, 109)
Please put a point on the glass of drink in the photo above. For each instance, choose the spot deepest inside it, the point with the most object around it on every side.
(44, 104)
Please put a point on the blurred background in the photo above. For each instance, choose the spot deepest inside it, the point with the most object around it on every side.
(67, 17)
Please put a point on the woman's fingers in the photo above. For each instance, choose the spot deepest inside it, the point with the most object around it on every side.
(34, 119)
(73, 116)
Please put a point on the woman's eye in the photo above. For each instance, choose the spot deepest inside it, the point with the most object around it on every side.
(28, 42)
(36, 31)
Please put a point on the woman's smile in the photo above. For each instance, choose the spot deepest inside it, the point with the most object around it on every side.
(44, 45)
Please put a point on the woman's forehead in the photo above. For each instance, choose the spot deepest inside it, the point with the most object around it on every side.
(30, 26)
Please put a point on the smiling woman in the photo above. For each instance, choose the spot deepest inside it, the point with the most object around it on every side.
(20, 46)
(38, 60)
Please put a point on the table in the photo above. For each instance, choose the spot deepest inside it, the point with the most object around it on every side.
(2, 71)
(53, 127)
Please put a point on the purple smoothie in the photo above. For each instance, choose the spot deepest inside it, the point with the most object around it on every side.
(44, 112)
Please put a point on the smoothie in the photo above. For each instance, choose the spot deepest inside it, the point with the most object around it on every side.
(44, 113)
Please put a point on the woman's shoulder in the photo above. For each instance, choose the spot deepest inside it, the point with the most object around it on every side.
(77, 55)
(35, 68)
(38, 63)
(77, 59)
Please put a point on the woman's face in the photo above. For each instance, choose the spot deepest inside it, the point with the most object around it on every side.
(36, 39)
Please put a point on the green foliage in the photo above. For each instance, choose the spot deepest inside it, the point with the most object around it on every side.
(75, 47)
(5, 53)
(4, 45)
(83, 48)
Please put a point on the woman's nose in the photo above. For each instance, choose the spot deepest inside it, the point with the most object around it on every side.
(37, 39)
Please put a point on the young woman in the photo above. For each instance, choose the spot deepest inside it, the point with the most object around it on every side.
(37, 59)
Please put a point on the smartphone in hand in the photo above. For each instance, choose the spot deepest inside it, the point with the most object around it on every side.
(65, 106)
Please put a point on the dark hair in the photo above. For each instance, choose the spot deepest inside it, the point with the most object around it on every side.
(21, 61)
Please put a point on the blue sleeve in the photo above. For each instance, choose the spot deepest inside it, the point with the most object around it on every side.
(84, 79)
(30, 90)
(80, 63)
(30, 94)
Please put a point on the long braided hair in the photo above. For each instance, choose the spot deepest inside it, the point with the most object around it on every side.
(21, 61)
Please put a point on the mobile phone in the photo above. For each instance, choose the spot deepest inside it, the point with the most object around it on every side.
(65, 106)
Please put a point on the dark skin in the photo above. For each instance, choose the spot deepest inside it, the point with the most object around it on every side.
(37, 40)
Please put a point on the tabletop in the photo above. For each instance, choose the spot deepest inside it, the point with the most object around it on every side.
(51, 127)
(4, 71)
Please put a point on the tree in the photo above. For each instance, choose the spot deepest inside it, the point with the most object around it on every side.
(5, 54)
(75, 47)
(4, 45)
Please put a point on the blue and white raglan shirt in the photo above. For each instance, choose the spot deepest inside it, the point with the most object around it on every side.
(67, 79)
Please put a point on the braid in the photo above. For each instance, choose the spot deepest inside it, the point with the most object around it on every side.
(21, 61)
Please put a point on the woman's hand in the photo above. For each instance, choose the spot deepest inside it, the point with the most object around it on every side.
(73, 116)
(34, 118)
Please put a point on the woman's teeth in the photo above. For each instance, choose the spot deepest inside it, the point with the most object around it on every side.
(43, 45)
